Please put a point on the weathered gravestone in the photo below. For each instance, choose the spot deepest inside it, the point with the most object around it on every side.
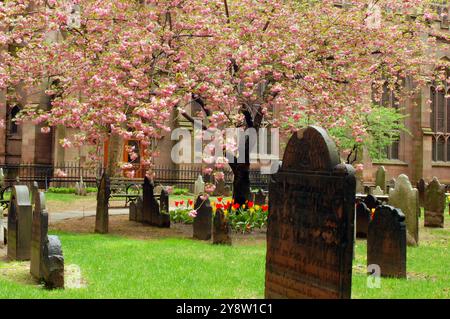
(53, 263)
(380, 178)
(359, 182)
(434, 204)
(386, 242)
(203, 221)
(310, 231)
(221, 229)
(133, 212)
(38, 233)
(102, 214)
(377, 191)
(421, 186)
(140, 210)
(406, 198)
(259, 198)
(150, 207)
(199, 186)
(362, 220)
(47, 261)
(371, 202)
(162, 219)
(19, 224)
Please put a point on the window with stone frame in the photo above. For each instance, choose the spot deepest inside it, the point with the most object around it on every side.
(13, 127)
(388, 99)
(440, 116)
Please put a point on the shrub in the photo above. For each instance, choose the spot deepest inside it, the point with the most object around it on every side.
(69, 190)
(180, 191)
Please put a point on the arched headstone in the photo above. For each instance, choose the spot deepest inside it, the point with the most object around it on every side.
(434, 204)
(19, 224)
(310, 231)
(377, 191)
(199, 186)
(163, 218)
(150, 204)
(53, 263)
(405, 197)
(102, 214)
(421, 186)
(386, 241)
(380, 178)
(203, 221)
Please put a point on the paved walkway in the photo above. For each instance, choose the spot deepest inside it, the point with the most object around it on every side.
(55, 217)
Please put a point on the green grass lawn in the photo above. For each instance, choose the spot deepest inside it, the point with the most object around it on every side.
(117, 267)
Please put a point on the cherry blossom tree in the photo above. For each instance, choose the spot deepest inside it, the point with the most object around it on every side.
(123, 67)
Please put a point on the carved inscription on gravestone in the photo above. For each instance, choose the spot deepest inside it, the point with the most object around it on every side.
(311, 221)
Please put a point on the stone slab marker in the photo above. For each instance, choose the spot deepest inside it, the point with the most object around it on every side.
(406, 198)
(362, 220)
(39, 233)
(421, 186)
(133, 212)
(221, 229)
(434, 204)
(199, 186)
(386, 242)
(310, 231)
(380, 178)
(53, 263)
(19, 224)
(260, 198)
(102, 213)
(150, 208)
(139, 210)
(163, 218)
(203, 222)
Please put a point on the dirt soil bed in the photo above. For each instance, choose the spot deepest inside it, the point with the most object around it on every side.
(121, 226)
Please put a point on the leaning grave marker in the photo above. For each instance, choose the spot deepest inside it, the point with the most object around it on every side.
(19, 224)
(310, 231)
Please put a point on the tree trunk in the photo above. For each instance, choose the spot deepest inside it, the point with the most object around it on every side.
(114, 150)
(241, 182)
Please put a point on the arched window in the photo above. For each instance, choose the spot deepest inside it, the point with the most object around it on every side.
(13, 127)
(440, 116)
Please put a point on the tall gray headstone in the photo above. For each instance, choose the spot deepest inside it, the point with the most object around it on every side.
(380, 178)
(310, 230)
(434, 204)
(199, 186)
(405, 197)
(39, 233)
(102, 213)
(19, 224)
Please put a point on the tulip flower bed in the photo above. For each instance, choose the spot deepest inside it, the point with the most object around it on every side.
(243, 219)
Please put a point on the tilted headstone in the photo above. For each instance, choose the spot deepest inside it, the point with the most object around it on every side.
(421, 186)
(386, 242)
(377, 191)
(406, 198)
(310, 231)
(102, 213)
(259, 198)
(362, 220)
(199, 186)
(380, 178)
(221, 229)
(39, 232)
(53, 263)
(150, 208)
(434, 204)
(203, 221)
(133, 211)
(162, 219)
(19, 224)
(140, 210)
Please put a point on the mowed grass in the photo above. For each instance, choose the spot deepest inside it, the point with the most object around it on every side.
(118, 267)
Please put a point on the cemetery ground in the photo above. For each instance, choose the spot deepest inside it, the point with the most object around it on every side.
(136, 261)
